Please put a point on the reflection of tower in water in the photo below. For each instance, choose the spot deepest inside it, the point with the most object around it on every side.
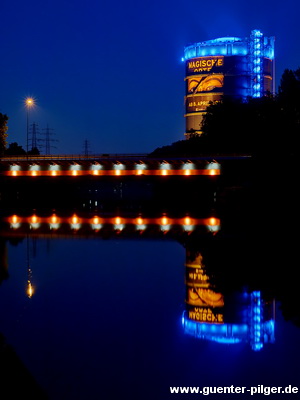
(234, 318)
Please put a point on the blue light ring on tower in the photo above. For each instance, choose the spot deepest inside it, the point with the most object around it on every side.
(222, 333)
(222, 46)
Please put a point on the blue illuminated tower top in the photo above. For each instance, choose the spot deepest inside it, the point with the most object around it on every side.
(255, 50)
(230, 66)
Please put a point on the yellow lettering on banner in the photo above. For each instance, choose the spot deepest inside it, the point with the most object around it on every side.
(220, 318)
(205, 315)
(204, 64)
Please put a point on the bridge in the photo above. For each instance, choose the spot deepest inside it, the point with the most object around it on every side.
(107, 165)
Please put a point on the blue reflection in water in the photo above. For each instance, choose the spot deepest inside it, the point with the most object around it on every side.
(103, 323)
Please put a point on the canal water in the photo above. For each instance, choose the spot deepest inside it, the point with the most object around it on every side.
(114, 307)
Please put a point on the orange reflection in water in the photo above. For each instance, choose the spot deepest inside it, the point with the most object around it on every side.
(77, 222)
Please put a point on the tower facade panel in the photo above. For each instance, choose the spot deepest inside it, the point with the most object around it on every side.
(229, 66)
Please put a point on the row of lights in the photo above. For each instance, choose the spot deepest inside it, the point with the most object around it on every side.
(213, 168)
(119, 223)
(257, 43)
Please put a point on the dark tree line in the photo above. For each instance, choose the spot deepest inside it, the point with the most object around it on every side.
(3, 134)
(265, 126)
(13, 148)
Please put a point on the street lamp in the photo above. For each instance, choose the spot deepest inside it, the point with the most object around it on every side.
(29, 103)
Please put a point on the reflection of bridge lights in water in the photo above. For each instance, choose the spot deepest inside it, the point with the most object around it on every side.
(119, 227)
(75, 222)
(140, 224)
(141, 227)
(54, 222)
(187, 221)
(15, 222)
(34, 222)
(96, 223)
(118, 221)
(96, 227)
(213, 224)
(165, 223)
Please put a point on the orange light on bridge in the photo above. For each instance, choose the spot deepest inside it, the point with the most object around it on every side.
(187, 172)
(164, 172)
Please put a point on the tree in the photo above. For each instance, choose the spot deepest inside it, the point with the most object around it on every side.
(14, 150)
(34, 152)
(3, 134)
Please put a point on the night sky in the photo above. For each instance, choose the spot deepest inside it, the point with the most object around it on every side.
(110, 72)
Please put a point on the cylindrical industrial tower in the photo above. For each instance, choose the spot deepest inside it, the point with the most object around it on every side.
(227, 66)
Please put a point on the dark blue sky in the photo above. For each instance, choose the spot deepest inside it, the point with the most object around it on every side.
(110, 71)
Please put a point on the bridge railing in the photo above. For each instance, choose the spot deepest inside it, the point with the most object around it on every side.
(67, 157)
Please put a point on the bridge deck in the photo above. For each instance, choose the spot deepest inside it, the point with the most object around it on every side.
(107, 165)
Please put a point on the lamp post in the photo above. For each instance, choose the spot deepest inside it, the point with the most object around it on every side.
(29, 103)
